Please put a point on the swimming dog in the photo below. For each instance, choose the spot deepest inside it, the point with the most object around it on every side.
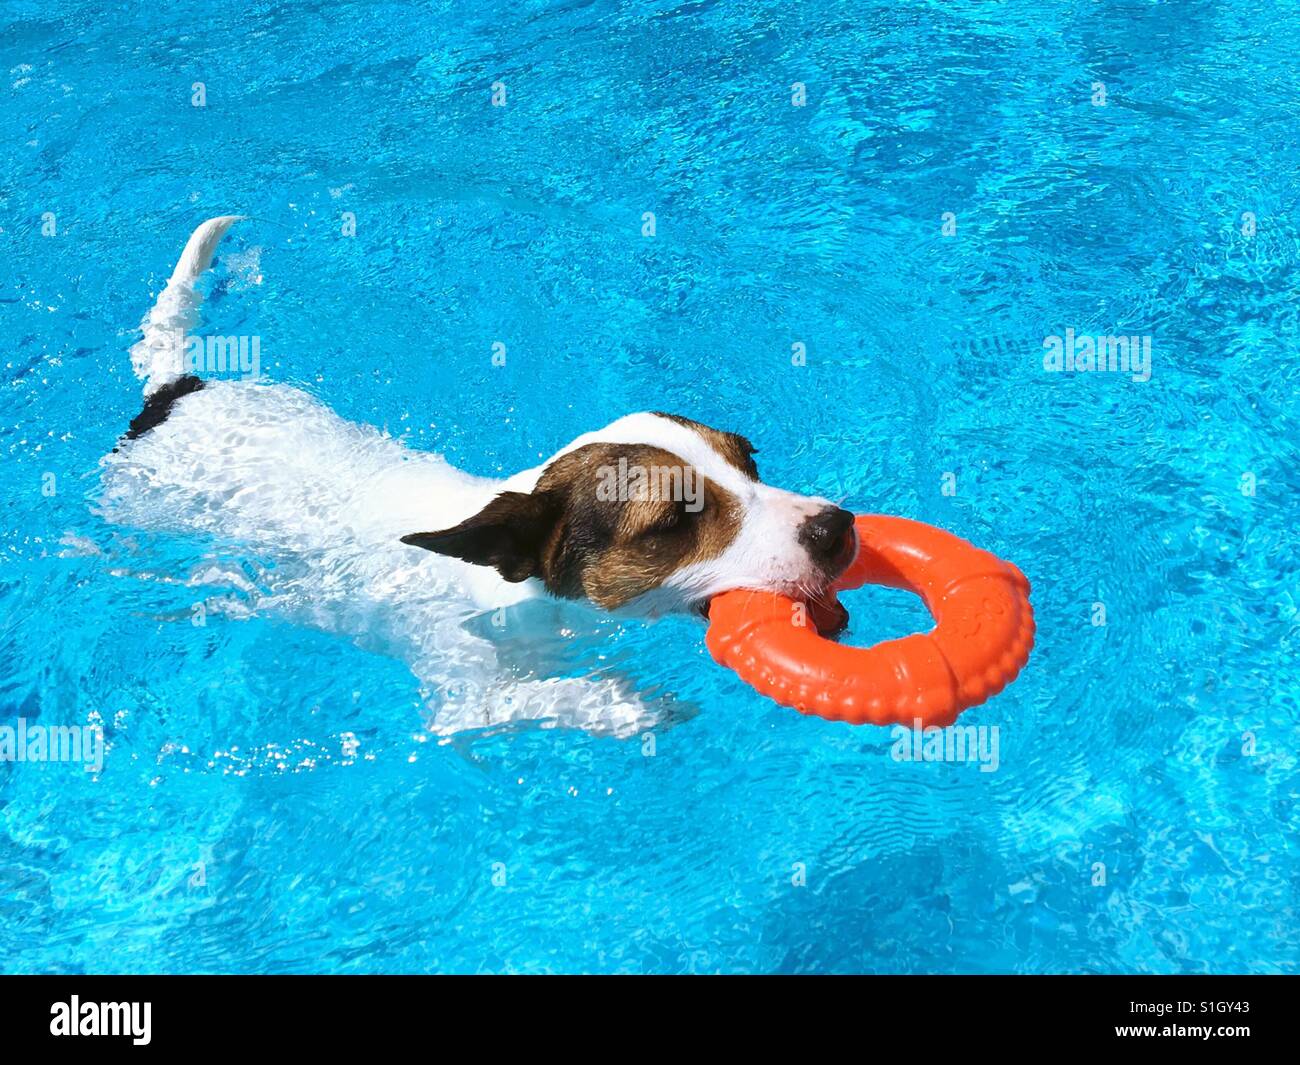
(653, 514)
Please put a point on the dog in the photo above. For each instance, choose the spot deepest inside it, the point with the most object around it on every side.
(653, 514)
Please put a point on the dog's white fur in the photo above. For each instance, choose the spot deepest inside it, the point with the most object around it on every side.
(270, 467)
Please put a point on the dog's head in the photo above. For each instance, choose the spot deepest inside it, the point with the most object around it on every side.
(654, 513)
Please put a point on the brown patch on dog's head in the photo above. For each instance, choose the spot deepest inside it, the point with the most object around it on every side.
(584, 540)
(733, 448)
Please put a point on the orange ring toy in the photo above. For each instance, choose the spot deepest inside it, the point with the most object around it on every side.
(984, 629)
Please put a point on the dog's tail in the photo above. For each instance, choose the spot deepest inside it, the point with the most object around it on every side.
(158, 357)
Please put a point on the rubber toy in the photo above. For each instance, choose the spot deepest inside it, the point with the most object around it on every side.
(984, 630)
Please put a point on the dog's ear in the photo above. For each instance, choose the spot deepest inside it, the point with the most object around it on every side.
(508, 534)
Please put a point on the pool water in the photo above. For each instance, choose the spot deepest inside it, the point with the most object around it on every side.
(861, 280)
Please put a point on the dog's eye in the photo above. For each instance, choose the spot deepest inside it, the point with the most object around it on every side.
(666, 520)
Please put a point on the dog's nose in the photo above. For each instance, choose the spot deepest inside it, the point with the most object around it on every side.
(823, 533)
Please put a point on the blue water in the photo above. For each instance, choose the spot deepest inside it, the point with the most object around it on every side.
(235, 826)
